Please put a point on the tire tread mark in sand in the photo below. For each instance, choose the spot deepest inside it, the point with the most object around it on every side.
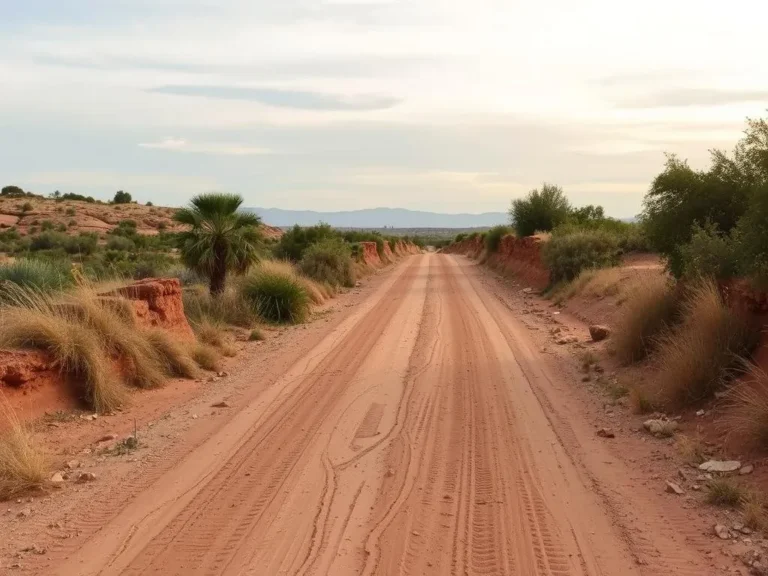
(370, 423)
(208, 531)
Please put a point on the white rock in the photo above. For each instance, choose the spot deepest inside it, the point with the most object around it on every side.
(720, 466)
(722, 532)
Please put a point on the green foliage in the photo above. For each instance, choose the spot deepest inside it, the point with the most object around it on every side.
(84, 244)
(12, 192)
(221, 238)
(710, 254)
(26, 207)
(120, 243)
(149, 204)
(567, 255)
(77, 197)
(276, 297)
(40, 275)
(329, 261)
(70, 211)
(459, 237)
(539, 210)
(296, 240)
(681, 197)
(122, 198)
(751, 237)
(493, 237)
(47, 225)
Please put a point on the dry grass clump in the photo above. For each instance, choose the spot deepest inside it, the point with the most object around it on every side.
(207, 357)
(650, 308)
(256, 335)
(702, 353)
(691, 449)
(318, 292)
(753, 507)
(22, 465)
(723, 492)
(175, 357)
(230, 307)
(748, 414)
(36, 322)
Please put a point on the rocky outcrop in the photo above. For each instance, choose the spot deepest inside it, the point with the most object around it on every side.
(21, 368)
(158, 302)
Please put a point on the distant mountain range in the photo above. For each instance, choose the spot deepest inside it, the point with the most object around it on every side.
(380, 218)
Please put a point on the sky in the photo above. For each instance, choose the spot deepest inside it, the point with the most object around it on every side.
(440, 105)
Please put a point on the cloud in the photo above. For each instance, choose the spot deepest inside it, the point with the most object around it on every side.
(215, 148)
(685, 97)
(298, 99)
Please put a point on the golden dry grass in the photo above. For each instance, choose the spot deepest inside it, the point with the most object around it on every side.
(317, 291)
(176, 358)
(36, 322)
(753, 507)
(22, 464)
(725, 492)
(702, 352)
(206, 357)
(748, 411)
(651, 307)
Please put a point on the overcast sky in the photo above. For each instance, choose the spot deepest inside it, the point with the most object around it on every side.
(443, 105)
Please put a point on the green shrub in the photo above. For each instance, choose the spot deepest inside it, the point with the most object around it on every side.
(539, 210)
(567, 255)
(276, 297)
(40, 275)
(47, 225)
(710, 254)
(122, 198)
(459, 237)
(121, 243)
(751, 237)
(295, 241)
(493, 238)
(70, 211)
(230, 307)
(26, 207)
(329, 261)
(77, 197)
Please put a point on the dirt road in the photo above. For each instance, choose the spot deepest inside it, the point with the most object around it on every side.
(425, 435)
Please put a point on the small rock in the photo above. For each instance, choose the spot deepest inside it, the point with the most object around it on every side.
(696, 487)
(390, 473)
(673, 488)
(57, 479)
(659, 427)
(527, 290)
(722, 532)
(35, 549)
(606, 433)
(747, 469)
(720, 466)
(86, 477)
(108, 438)
(221, 404)
(73, 464)
(222, 374)
(24, 513)
(700, 413)
(599, 332)
(86, 451)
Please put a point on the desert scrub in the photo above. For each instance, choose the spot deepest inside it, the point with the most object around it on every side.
(39, 275)
(651, 307)
(748, 410)
(493, 238)
(702, 353)
(329, 262)
(23, 465)
(229, 307)
(176, 358)
(566, 255)
(206, 357)
(723, 492)
(276, 296)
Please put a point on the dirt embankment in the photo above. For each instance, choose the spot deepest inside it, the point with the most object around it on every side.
(369, 254)
(33, 384)
(518, 256)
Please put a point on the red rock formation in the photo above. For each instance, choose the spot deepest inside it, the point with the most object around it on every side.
(370, 255)
(158, 302)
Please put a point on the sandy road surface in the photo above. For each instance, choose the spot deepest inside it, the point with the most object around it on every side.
(412, 440)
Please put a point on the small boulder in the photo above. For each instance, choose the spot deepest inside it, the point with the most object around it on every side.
(84, 477)
(720, 466)
(599, 332)
(674, 488)
(722, 532)
(606, 433)
(746, 469)
(72, 464)
(24, 513)
(659, 427)
(57, 480)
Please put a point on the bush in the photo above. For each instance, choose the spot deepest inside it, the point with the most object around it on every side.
(206, 357)
(710, 254)
(493, 238)
(121, 243)
(12, 192)
(329, 261)
(567, 255)
(651, 307)
(230, 307)
(70, 211)
(176, 360)
(43, 276)
(26, 207)
(459, 237)
(77, 197)
(748, 414)
(540, 210)
(295, 241)
(23, 466)
(751, 237)
(276, 297)
(122, 198)
(702, 352)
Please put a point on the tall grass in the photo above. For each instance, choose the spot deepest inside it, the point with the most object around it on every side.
(229, 307)
(748, 414)
(176, 359)
(651, 307)
(22, 464)
(702, 352)
(37, 322)
(41, 275)
(276, 294)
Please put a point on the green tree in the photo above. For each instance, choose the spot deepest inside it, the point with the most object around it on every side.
(12, 192)
(122, 198)
(220, 239)
(540, 210)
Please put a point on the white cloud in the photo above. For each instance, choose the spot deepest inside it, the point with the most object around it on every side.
(214, 148)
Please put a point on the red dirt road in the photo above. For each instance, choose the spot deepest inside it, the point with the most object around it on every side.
(426, 435)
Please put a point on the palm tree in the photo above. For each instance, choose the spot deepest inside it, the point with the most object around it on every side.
(220, 238)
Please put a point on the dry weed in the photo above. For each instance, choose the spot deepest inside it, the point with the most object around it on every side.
(206, 357)
(176, 359)
(22, 465)
(748, 414)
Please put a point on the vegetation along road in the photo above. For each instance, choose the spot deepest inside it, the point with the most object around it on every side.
(426, 434)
